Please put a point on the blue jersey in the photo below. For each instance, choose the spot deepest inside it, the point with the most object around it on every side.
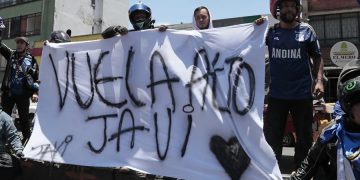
(290, 67)
(338, 112)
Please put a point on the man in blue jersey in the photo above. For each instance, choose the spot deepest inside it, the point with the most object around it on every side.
(294, 82)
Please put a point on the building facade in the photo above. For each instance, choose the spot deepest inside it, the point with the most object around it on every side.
(333, 21)
(36, 19)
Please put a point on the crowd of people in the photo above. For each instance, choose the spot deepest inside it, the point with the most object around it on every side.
(20, 85)
(296, 79)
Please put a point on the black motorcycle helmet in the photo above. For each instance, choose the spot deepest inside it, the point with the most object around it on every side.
(140, 24)
(59, 37)
(275, 12)
(349, 85)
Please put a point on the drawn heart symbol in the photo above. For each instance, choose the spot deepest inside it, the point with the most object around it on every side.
(231, 156)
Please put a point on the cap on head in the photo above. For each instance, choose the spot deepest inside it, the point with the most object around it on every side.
(24, 39)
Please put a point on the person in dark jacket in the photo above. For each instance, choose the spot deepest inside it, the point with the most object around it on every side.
(19, 82)
(337, 150)
(140, 18)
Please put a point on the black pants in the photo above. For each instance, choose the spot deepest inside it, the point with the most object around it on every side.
(8, 173)
(302, 115)
(22, 103)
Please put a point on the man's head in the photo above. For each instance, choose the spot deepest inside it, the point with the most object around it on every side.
(202, 17)
(59, 37)
(289, 10)
(22, 44)
(349, 88)
(140, 16)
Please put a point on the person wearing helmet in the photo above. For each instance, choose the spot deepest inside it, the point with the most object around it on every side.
(291, 44)
(59, 37)
(337, 150)
(140, 18)
(19, 82)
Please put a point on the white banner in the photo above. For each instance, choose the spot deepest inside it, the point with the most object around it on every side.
(167, 103)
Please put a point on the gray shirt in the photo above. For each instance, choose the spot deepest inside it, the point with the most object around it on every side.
(8, 135)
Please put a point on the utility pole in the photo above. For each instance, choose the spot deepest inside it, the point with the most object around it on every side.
(98, 16)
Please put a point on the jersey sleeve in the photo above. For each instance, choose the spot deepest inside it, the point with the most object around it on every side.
(314, 45)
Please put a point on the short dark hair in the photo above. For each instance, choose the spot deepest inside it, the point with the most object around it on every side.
(200, 8)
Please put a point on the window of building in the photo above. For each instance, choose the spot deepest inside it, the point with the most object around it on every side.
(27, 25)
(31, 24)
(336, 27)
(6, 3)
(15, 27)
(318, 24)
(350, 26)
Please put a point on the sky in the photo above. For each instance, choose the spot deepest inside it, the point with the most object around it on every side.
(177, 11)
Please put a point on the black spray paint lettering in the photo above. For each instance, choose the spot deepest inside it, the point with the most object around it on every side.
(46, 148)
(210, 77)
(167, 81)
(89, 101)
(213, 75)
(122, 131)
(61, 97)
(210, 68)
(93, 83)
(210, 73)
(104, 117)
(105, 80)
(117, 134)
(186, 141)
(128, 65)
(233, 89)
(162, 156)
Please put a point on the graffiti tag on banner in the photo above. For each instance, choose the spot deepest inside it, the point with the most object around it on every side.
(175, 104)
